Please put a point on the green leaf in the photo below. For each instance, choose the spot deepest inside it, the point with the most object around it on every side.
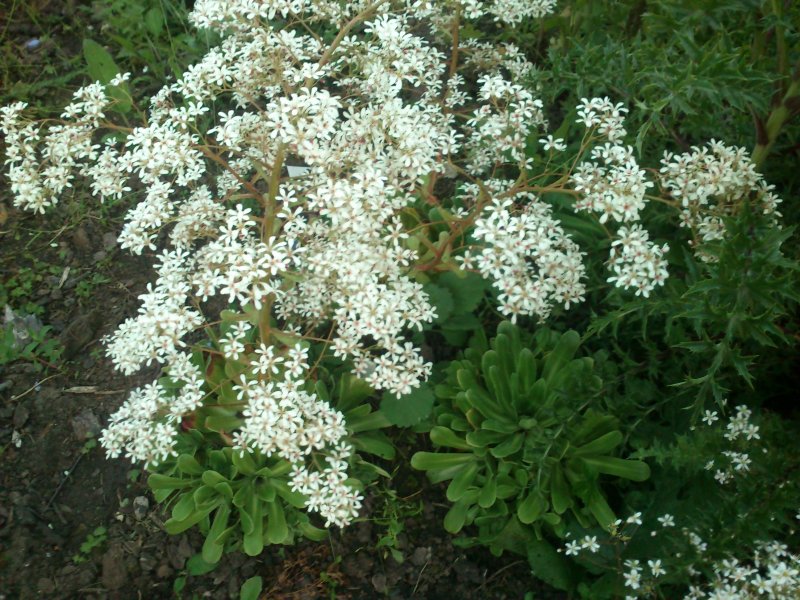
(550, 566)
(367, 422)
(212, 548)
(509, 446)
(635, 470)
(427, 461)
(559, 491)
(244, 462)
(251, 589)
(467, 289)
(374, 443)
(462, 322)
(599, 507)
(532, 508)
(222, 422)
(488, 493)
(564, 351)
(601, 445)
(315, 534)
(154, 21)
(441, 299)
(156, 481)
(253, 542)
(456, 517)
(408, 409)
(101, 65)
(102, 68)
(174, 526)
(462, 481)
(277, 531)
(352, 391)
(188, 464)
(183, 507)
(442, 436)
(197, 566)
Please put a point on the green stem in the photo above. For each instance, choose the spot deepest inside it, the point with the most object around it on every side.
(775, 122)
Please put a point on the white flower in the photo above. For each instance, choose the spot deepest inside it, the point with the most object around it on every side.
(590, 543)
(655, 568)
(573, 548)
(553, 144)
(667, 520)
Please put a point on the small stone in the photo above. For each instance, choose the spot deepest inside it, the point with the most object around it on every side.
(147, 562)
(45, 585)
(179, 553)
(80, 332)
(21, 414)
(85, 425)
(379, 583)
(115, 574)
(140, 506)
(99, 256)
(109, 241)
(164, 571)
(420, 556)
(80, 240)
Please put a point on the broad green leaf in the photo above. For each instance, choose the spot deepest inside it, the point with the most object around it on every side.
(375, 443)
(188, 464)
(197, 566)
(532, 508)
(156, 481)
(102, 68)
(488, 493)
(441, 299)
(408, 409)
(559, 491)
(212, 548)
(634, 470)
(442, 436)
(508, 447)
(465, 478)
(467, 289)
(315, 534)
(277, 531)
(564, 351)
(251, 589)
(601, 510)
(154, 21)
(601, 445)
(455, 518)
(550, 566)
(427, 461)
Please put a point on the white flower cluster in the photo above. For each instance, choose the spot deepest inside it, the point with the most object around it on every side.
(772, 574)
(739, 429)
(710, 183)
(500, 127)
(510, 12)
(613, 184)
(637, 262)
(40, 166)
(532, 262)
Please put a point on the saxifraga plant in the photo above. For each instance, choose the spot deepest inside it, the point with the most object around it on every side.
(525, 448)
